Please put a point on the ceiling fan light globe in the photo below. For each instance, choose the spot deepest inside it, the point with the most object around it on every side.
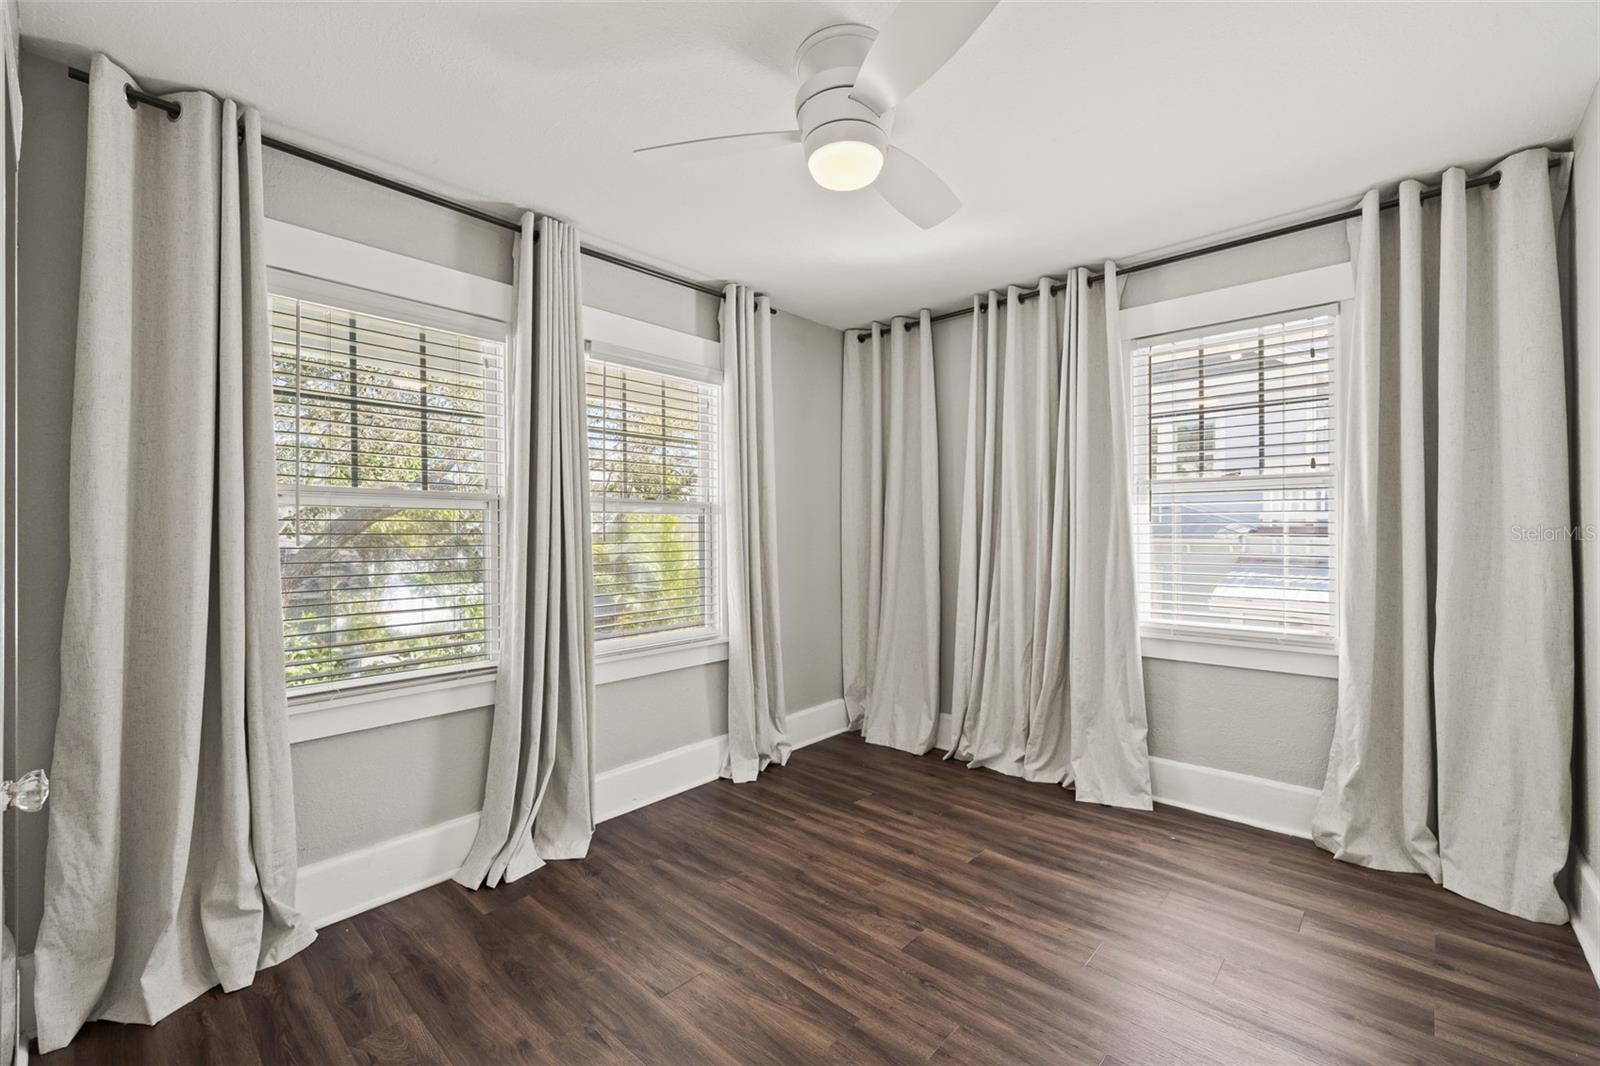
(844, 166)
(847, 153)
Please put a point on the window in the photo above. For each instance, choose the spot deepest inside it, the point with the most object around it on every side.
(389, 445)
(654, 505)
(1234, 480)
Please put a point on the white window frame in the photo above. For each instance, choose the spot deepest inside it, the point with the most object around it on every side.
(614, 338)
(309, 265)
(1318, 287)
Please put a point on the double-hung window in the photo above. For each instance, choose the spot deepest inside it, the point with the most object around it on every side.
(389, 434)
(654, 502)
(1234, 480)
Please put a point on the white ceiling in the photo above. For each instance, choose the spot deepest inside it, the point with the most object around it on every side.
(1072, 131)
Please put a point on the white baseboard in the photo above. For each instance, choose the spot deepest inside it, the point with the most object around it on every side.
(816, 723)
(1258, 801)
(336, 888)
(1585, 906)
(641, 783)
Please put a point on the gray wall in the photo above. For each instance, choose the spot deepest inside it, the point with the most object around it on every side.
(360, 788)
(1270, 725)
(1585, 280)
(808, 383)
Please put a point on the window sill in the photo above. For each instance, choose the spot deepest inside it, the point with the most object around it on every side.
(313, 716)
(1279, 660)
(642, 662)
(316, 715)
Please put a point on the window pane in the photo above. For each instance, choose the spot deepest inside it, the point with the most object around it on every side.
(1256, 400)
(375, 590)
(652, 482)
(1234, 479)
(388, 443)
(362, 400)
(651, 437)
(1257, 559)
(651, 573)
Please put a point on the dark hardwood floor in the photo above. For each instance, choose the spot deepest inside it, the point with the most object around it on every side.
(861, 905)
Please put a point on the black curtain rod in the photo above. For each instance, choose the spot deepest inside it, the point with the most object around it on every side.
(1491, 179)
(174, 109)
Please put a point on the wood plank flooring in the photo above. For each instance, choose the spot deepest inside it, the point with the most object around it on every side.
(863, 906)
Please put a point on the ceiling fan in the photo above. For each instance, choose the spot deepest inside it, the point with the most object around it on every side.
(852, 77)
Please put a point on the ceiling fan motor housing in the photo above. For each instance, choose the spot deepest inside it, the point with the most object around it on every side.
(826, 64)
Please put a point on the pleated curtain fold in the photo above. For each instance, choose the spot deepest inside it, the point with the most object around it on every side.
(539, 791)
(171, 859)
(1452, 748)
(756, 735)
(1047, 678)
(890, 535)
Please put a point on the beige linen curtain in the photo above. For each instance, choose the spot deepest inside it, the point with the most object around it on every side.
(171, 859)
(756, 736)
(539, 794)
(1451, 754)
(1047, 681)
(890, 535)
(11, 42)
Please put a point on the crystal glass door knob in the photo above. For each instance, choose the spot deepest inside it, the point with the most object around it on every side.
(27, 793)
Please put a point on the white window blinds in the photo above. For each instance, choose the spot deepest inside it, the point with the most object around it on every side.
(1234, 480)
(653, 499)
(389, 476)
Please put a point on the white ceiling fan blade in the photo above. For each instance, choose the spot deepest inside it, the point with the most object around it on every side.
(914, 190)
(916, 41)
(711, 147)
